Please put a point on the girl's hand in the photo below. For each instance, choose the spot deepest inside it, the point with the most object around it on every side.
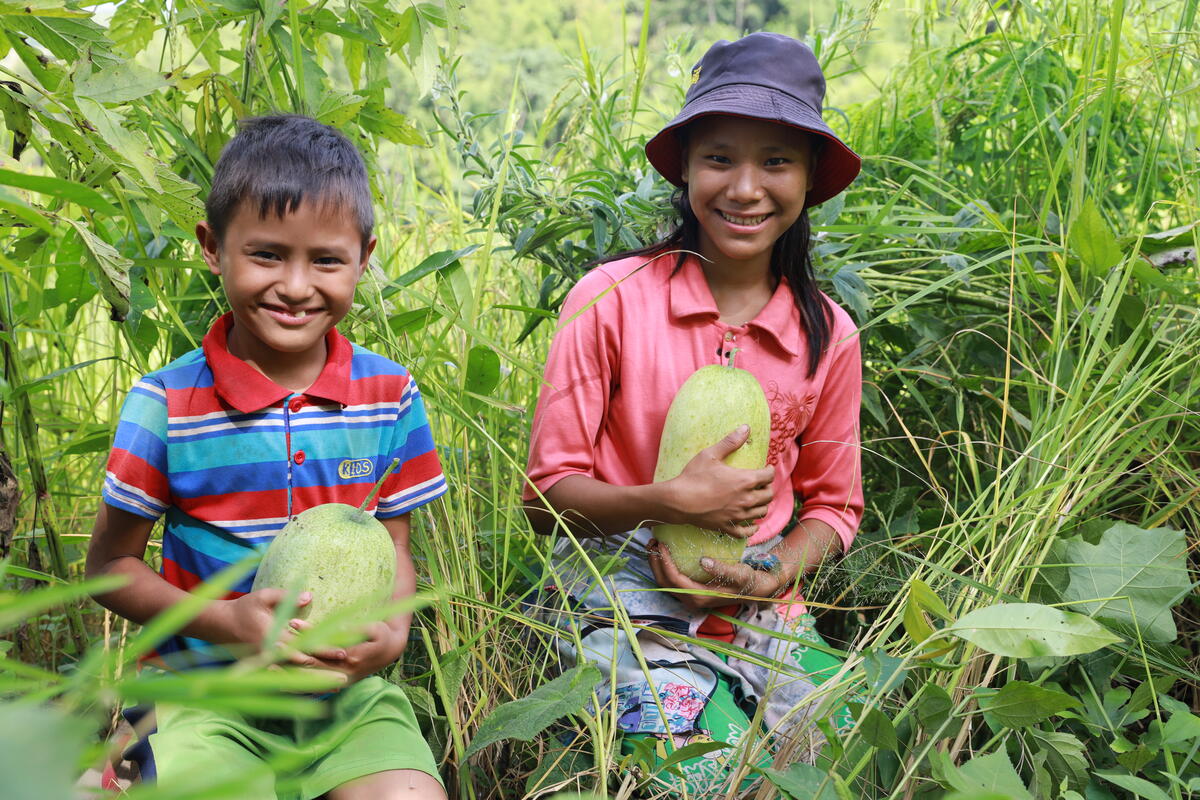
(728, 579)
(712, 495)
(366, 658)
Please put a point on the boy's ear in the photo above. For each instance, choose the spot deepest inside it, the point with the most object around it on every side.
(209, 246)
(366, 255)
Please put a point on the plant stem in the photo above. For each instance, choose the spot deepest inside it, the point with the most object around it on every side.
(378, 485)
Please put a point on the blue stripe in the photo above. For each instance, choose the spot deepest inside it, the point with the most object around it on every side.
(365, 364)
(240, 449)
(258, 477)
(185, 532)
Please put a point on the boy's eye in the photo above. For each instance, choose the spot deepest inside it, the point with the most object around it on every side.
(264, 255)
(329, 261)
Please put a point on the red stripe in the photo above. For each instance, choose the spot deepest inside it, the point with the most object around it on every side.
(180, 577)
(417, 469)
(236, 505)
(377, 389)
(134, 470)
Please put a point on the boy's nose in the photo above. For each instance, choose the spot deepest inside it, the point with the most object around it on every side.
(295, 283)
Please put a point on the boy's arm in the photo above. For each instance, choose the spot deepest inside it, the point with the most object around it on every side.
(118, 547)
(388, 638)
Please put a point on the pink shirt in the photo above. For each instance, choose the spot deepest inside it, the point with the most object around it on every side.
(615, 366)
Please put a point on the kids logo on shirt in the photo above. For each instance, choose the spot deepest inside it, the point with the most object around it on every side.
(355, 468)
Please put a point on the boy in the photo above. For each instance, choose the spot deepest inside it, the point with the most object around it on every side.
(276, 413)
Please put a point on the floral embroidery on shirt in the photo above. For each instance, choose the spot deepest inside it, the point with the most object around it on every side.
(789, 416)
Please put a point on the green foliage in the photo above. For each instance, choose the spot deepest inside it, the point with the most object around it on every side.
(1018, 252)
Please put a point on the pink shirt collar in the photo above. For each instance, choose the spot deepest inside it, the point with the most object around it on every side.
(691, 297)
(247, 389)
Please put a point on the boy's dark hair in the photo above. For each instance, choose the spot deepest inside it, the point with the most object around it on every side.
(276, 162)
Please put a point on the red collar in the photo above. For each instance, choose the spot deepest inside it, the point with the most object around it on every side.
(247, 389)
(690, 296)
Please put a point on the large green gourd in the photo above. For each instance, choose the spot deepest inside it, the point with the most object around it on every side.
(340, 553)
(713, 401)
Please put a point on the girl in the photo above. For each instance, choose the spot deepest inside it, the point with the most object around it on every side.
(750, 154)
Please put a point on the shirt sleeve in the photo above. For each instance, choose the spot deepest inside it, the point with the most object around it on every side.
(418, 477)
(827, 478)
(135, 479)
(577, 387)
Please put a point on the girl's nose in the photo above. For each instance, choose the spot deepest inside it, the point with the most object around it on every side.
(745, 185)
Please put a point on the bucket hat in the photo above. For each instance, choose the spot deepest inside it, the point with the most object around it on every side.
(765, 76)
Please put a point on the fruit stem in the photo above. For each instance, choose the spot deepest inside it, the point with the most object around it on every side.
(732, 354)
(378, 485)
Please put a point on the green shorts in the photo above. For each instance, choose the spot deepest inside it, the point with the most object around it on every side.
(370, 728)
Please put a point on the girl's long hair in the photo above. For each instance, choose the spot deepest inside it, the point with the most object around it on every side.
(790, 259)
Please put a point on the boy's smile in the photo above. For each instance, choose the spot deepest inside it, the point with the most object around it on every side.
(288, 281)
(747, 180)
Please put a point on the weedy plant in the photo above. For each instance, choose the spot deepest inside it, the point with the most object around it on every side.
(1018, 618)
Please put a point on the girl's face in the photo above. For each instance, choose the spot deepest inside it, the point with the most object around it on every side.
(746, 180)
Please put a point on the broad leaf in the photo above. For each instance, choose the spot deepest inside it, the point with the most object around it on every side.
(40, 750)
(1093, 241)
(992, 773)
(1139, 786)
(119, 83)
(1132, 576)
(804, 782)
(1019, 704)
(1030, 630)
(524, 719)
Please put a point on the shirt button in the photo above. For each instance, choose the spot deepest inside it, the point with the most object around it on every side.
(729, 337)
(298, 457)
(296, 404)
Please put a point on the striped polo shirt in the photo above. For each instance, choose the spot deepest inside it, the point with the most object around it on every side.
(229, 456)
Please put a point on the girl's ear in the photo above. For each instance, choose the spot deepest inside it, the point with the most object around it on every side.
(210, 248)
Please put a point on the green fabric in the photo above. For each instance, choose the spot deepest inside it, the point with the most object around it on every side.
(723, 720)
(370, 728)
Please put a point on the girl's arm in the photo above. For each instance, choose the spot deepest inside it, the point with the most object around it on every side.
(708, 493)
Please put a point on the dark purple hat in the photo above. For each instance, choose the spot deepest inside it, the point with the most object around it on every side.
(765, 76)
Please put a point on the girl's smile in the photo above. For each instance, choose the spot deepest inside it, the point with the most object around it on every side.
(747, 180)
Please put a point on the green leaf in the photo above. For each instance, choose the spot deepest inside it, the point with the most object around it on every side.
(878, 730)
(40, 751)
(1139, 786)
(693, 750)
(1093, 241)
(1065, 757)
(432, 263)
(524, 719)
(1030, 630)
(112, 270)
(804, 782)
(337, 109)
(391, 125)
(17, 607)
(1020, 704)
(119, 83)
(71, 191)
(992, 773)
(1131, 576)
(934, 707)
(38, 8)
(884, 672)
(483, 370)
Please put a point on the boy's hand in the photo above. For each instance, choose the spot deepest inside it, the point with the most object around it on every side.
(381, 648)
(712, 495)
(252, 616)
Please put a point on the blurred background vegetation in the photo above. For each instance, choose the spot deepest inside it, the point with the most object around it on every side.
(1020, 253)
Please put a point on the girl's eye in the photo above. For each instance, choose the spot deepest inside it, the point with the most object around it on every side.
(777, 161)
(717, 159)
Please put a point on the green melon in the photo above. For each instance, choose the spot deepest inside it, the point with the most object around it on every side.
(713, 401)
(340, 553)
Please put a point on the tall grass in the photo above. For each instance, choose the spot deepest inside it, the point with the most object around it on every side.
(1030, 355)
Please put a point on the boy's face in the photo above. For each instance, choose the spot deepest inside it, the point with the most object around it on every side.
(288, 280)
